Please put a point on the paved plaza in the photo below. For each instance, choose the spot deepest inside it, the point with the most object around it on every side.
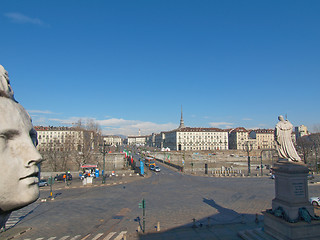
(183, 206)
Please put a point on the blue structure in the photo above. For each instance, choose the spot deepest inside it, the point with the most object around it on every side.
(97, 172)
(141, 167)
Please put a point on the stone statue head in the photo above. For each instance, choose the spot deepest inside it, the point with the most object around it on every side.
(19, 158)
(281, 118)
(5, 87)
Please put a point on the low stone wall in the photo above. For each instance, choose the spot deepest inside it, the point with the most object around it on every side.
(219, 162)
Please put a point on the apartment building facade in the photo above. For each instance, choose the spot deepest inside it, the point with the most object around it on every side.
(238, 138)
(112, 140)
(184, 139)
(64, 139)
(264, 138)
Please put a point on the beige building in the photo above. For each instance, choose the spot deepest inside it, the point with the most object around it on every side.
(184, 139)
(301, 131)
(64, 139)
(138, 140)
(192, 139)
(264, 137)
(238, 138)
(112, 140)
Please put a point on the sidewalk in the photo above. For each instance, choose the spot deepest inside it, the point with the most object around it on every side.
(212, 232)
(96, 182)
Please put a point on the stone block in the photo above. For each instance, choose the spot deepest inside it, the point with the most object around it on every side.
(291, 189)
(283, 230)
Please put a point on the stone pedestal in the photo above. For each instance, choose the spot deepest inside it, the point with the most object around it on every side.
(283, 230)
(291, 190)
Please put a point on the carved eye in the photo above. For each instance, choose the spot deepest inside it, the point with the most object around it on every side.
(10, 134)
(33, 136)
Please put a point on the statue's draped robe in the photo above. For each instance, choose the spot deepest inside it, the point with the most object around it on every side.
(284, 142)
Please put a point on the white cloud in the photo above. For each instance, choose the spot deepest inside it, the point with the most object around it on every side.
(221, 124)
(40, 111)
(20, 18)
(121, 126)
(68, 121)
(247, 119)
(131, 127)
(115, 122)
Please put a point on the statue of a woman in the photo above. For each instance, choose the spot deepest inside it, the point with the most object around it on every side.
(284, 142)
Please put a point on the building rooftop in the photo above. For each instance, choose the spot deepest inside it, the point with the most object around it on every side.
(239, 129)
(51, 128)
(271, 131)
(198, 129)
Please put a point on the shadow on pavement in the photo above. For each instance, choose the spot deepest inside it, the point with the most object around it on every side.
(224, 225)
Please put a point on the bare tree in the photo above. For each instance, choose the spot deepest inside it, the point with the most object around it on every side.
(89, 148)
(72, 148)
(304, 146)
(316, 128)
(50, 161)
(57, 155)
(308, 146)
(315, 139)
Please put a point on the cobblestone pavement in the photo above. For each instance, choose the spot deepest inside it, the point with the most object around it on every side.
(184, 206)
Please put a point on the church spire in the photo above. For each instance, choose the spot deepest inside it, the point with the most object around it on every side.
(181, 120)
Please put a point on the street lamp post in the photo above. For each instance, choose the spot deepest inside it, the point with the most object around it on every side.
(249, 148)
(104, 163)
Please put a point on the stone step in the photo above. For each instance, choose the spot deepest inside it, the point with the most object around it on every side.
(255, 234)
(244, 235)
(263, 234)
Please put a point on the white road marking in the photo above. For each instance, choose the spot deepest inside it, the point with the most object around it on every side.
(97, 236)
(86, 237)
(64, 238)
(119, 237)
(75, 237)
(109, 236)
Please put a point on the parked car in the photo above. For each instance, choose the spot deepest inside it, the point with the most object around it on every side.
(43, 183)
(315, 201)
(157, 169)
(60, 177)
(152, 167)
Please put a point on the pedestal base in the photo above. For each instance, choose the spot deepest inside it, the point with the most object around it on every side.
(291, 203)
(283, 230)
(292, 210)
(291, 187)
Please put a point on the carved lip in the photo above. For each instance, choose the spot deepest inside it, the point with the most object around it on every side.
(34, 174)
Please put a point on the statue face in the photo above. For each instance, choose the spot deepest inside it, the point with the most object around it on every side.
(5, 83)
(18, 157)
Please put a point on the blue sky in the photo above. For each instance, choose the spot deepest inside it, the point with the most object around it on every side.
(131, 64)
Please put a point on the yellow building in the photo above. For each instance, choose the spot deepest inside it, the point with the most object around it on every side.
(264, 137)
